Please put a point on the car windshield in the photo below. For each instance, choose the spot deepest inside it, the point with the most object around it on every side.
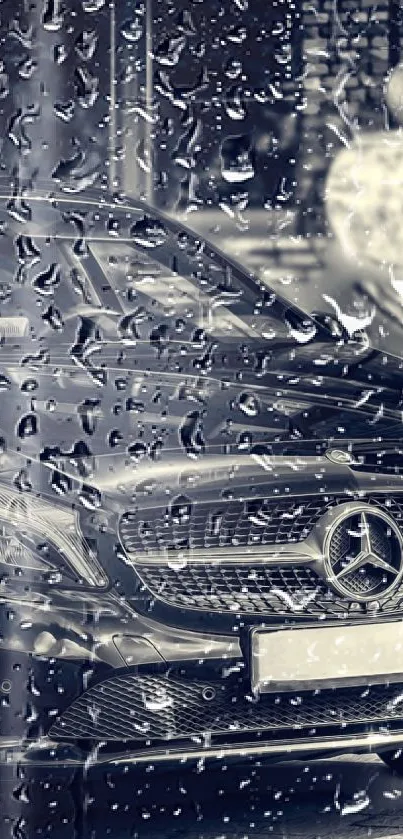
(155, 278)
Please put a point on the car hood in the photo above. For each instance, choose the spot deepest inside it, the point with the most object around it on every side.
(134, 354)
(155, 425)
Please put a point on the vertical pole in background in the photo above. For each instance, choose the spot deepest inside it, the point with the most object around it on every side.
(148, 140)
(112, 172)
(134, 91)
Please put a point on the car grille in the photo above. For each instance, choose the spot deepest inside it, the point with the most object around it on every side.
(162, 548)
(205, 526)
(252, 590)
(236, 588)
(134, 707)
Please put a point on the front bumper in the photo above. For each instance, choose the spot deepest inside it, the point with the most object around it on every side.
(139, 692)
(51, 655)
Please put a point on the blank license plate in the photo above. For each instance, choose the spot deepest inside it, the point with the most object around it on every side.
(326, 656)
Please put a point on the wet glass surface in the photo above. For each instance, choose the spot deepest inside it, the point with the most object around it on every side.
(200, 423)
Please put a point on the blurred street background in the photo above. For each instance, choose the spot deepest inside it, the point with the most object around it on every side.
(227, 115)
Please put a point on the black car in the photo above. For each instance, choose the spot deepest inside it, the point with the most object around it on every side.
(201, 550)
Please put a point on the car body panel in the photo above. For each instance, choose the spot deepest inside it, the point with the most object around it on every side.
(167, 407)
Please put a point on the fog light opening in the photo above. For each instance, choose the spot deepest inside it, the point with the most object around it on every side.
(208, 694)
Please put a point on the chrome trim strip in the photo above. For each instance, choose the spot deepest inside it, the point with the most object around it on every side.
(245, 555)
(284, 749)
(281, 748)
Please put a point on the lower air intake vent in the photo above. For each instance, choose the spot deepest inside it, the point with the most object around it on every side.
(143, 708)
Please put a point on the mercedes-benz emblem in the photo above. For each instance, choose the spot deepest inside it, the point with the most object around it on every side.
(340, 456)
(364, 553)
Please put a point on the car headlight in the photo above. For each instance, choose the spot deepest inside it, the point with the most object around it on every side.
(43, 540)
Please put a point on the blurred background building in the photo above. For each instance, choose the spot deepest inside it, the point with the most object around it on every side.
(246, 103)
(198, 107)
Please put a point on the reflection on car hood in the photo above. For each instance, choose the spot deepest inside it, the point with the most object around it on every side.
(132, 349)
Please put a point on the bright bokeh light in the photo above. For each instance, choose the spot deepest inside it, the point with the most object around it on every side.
(364, 198)
(394, 92)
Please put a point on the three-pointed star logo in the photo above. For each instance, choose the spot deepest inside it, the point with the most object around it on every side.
(367, 554)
